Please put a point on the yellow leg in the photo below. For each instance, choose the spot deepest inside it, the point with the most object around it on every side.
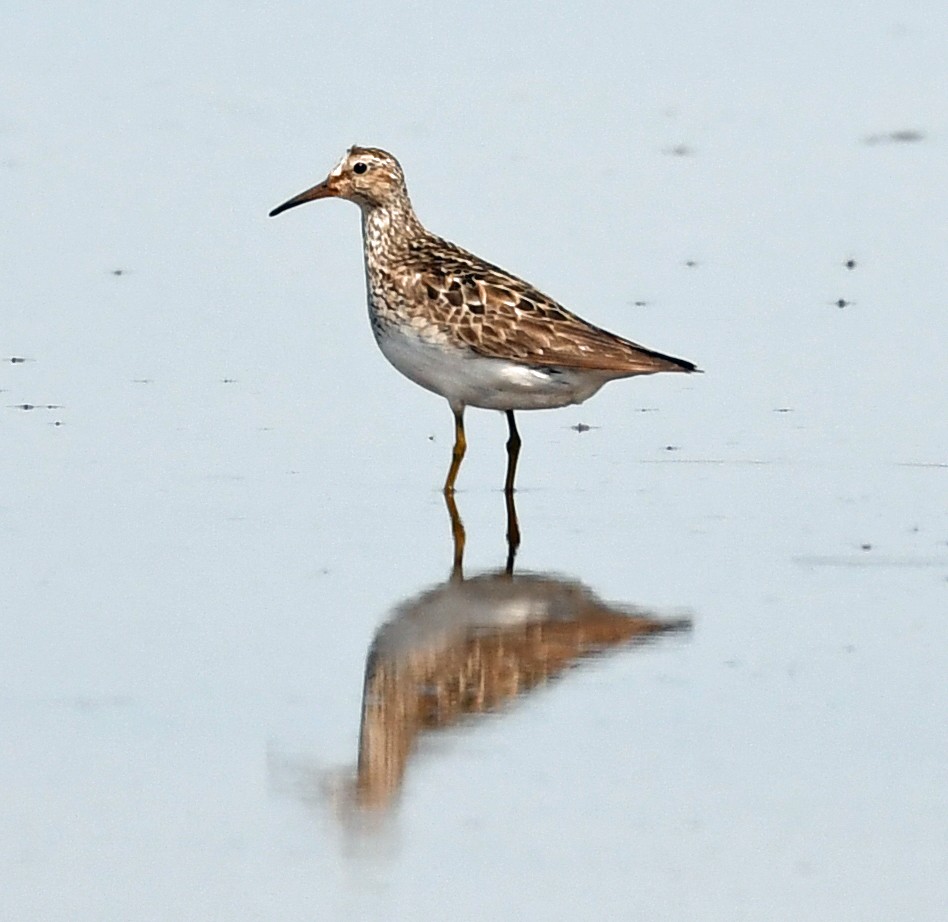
(457, 534)
(513, 453)
(460, 446)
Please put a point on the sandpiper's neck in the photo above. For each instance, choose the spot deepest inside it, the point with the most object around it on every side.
(387, 230)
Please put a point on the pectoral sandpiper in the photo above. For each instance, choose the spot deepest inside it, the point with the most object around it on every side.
(462, 327)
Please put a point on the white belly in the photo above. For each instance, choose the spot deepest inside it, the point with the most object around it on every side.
(467, 379)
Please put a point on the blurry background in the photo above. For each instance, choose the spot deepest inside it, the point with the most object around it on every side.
(214, 490)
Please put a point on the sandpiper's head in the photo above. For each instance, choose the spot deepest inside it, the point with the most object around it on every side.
(366, 175)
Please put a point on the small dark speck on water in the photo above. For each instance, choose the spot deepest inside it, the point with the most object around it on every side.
(842, 302)
(850, 264)
(783, 409)
(143, 380)
(581, 427)
(16, 360)
(679, 150)
(691, 263)
(228, 380)
(902, 136)
(865, 547)
(118, 272)
(639, 303)
(671, 448)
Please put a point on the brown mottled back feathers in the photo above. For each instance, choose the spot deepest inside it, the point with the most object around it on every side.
(501, 316)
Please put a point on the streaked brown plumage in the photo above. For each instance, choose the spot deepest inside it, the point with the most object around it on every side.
(462, 327)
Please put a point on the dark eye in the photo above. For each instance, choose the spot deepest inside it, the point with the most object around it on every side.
(359, 167)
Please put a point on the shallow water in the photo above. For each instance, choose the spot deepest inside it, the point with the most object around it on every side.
(241, 676)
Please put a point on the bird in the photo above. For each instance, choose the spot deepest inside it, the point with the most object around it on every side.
(462, 327)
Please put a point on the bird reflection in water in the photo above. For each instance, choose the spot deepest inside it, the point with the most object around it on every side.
(470, 645)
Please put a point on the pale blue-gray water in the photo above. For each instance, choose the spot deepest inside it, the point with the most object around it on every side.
(222, 542)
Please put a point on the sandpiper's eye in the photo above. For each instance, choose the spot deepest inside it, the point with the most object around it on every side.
(359, 167)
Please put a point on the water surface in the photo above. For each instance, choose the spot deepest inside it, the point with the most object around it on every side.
(712, 684)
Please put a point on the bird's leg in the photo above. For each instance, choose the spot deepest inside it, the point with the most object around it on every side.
(513, 452)
(460, 446)
(458, 536)
(513, 532)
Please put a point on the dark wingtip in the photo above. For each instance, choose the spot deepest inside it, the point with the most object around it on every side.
(679, 364)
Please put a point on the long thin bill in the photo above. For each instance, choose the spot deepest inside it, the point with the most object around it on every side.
(321, 190)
